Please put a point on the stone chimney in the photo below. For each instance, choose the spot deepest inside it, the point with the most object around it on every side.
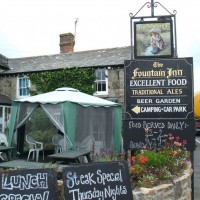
(67, 43)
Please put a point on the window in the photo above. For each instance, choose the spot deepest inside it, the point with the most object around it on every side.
(23, 84)
(4, 118)
(101, 82)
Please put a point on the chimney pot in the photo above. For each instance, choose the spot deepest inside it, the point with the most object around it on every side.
(67, 43)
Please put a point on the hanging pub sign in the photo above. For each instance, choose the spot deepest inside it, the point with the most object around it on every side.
(159, 88)
(158, 102)
(153, 39)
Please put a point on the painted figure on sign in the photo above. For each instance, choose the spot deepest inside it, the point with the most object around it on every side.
(157, 43)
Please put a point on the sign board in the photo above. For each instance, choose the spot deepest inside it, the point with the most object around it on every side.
(136, 136)
(159, 88)
(153, 39)
(109, 180)
(158, 98)
(29, 184)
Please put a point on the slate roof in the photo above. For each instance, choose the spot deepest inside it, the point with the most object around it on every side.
(92, 58)
(3, 62)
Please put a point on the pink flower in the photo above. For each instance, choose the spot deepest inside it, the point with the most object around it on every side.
(184, 142)
(177, 138)
(178, 144)
(133, 159)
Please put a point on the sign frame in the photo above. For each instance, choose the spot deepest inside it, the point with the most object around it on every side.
(153, 39)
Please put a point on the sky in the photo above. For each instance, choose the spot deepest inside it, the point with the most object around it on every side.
(32, 27)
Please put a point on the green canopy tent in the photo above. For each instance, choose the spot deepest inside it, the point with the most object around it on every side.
(75, 114)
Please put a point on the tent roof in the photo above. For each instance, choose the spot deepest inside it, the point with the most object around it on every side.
(70, 95)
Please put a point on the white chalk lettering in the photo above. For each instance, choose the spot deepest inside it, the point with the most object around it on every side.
(36, 196)
(107, 192)
(73, 179)
(114, 192)
(136, 145)
(104, 178)
(153, 125)
(134, 125)
(25, 182)
(77, 194)
(177, 125)
(155, 139)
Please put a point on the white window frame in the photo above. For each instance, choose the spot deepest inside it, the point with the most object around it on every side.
(4, 118)
(18, 86)
(100, 80)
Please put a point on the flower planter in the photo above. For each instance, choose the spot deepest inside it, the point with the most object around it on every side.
(179, 189)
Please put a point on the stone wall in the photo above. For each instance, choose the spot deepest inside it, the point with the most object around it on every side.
(180, 189)
(8, 86)
(116, 84)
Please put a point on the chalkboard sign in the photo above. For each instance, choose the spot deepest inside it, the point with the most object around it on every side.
(28, 184)
(161, 88)
(108, 181)
(154, 133)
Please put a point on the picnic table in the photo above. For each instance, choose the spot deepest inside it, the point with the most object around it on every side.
(71, 156)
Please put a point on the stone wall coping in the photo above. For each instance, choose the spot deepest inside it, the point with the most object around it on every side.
(167, 187)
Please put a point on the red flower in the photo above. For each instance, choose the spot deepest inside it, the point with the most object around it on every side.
(143, 159)
(133, 159)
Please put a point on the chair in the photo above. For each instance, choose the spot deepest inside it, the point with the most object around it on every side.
(3, 141)
(65, 145)
(34, 147)
(55, 141)
(88, 143)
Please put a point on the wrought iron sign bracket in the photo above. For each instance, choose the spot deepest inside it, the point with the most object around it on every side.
(168, 16)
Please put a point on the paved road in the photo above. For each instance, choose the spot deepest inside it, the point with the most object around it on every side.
(197, 170)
